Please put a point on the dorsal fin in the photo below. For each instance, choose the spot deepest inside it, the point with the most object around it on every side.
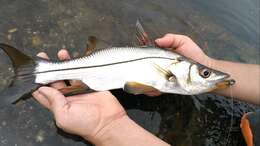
(142, 36)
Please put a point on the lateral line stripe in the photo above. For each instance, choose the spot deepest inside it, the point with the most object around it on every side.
(102, 65)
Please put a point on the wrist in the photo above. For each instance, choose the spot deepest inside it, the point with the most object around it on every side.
(112, 131)
(126, 132)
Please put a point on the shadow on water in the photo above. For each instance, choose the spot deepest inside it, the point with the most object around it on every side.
(223, 29)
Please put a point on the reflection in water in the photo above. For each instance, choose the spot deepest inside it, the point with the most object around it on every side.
(241, 18)
(224, 29)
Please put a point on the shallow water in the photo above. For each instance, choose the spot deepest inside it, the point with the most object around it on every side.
(224, 29)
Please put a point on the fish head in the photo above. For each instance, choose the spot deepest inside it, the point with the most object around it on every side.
(195, 78)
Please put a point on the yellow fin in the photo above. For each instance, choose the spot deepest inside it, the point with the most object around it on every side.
(138, 88)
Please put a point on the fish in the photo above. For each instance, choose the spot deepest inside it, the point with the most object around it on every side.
(136, 70)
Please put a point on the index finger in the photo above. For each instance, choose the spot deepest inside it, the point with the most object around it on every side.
(57, 100)
(58, 84)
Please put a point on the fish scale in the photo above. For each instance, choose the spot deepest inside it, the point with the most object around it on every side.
(106, 56)
(115, 66)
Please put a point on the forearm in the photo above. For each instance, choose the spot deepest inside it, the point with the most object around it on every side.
(247, 77)
(125, 132)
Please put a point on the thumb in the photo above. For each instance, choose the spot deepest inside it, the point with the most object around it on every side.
(164, 42)
(171, 41)
(56, 99)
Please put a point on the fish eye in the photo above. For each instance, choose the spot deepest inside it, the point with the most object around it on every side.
(205, 73)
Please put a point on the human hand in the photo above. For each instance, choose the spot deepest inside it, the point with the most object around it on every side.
(185, 46)
(85, 115)
(182, 45)
(241, 73)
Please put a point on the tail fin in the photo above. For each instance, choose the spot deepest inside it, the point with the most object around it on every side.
(23, 81)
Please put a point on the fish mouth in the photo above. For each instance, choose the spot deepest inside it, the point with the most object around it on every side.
(224, 81)
(222, 77)
(225, 84)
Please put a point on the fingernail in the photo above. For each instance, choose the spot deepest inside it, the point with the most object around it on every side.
(42, 89)
(63, 54)
(41, 54)
(63, 51)
(157, 41)
(35, 93)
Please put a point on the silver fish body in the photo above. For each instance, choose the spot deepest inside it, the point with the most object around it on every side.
(113, 68)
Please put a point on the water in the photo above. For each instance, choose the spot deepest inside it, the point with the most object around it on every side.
(224, 29)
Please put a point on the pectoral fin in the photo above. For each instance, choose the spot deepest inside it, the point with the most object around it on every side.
(167, 74)
(138, 88)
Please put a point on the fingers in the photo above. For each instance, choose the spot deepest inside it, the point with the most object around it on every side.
(62, 55)
(42, 55)
(172, 41)
(59, 84)
(37, 95)
(56, 100)
(41, 99)
(183, 45)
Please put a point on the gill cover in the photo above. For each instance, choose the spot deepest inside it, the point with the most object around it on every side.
(23, 80)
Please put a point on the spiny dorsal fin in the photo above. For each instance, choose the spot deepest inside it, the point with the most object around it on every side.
(142, 36)
(138, 88)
